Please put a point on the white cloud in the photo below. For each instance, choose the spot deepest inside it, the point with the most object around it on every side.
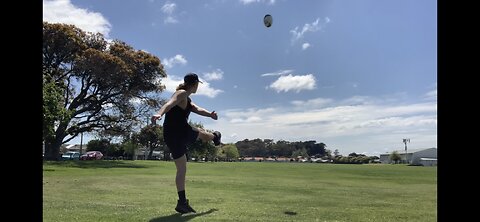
(308, 27)
(250, 119)
(249, 115)
(294, 83)
(170, 20)
(177, 59)
(204, 89)
(246, 2)
(278, 73)
(171, 83)
(357, 100)
(168, 9)
(63, 11)
(312, 103)
(305, 45)
(371, 126)
(214, 75)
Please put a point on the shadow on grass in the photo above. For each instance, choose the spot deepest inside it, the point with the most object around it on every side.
(93, 164)
(179, 217)
(291, 213)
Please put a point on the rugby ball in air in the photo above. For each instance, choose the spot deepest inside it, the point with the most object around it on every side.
(267, 20)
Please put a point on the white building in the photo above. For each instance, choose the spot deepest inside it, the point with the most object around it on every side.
(81, 148)
(425, 157)
(428, 161)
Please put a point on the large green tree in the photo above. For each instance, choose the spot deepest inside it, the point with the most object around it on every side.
(151, 137)
(91, 85)
(395, 157)
(199, 149)
(229, 152)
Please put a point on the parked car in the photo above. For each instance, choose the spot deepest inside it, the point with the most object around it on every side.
(70, 155)
(92, 155)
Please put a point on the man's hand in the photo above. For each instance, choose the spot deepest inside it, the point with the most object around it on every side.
(155, 118)
(214, 116)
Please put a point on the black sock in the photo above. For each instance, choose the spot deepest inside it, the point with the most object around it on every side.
(181, 196)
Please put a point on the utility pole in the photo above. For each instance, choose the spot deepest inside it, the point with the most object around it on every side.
(81, 142)
(406, 155)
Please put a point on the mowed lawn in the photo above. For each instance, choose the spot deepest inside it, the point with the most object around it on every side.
(145, 191)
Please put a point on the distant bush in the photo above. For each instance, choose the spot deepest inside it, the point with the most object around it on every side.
(353, 159)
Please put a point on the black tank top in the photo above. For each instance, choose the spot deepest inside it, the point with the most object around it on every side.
(176, 119)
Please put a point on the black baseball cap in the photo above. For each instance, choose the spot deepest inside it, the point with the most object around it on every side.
(191, 78)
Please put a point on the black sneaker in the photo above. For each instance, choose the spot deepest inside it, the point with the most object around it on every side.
(184, 207)
(190, 208)
(216, 138)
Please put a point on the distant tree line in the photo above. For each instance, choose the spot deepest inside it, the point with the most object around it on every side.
(151, 139)
(281, 148)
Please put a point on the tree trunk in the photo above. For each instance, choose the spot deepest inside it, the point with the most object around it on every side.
(150, 153)
(52, 149)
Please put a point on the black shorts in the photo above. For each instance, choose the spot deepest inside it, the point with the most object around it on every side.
(177, 141)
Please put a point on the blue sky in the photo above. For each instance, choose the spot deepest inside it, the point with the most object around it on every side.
(358, 76)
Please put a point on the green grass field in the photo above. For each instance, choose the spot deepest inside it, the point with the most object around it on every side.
(145, 191)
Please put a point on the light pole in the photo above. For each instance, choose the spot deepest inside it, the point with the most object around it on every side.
(81, 142)
(406, 155)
